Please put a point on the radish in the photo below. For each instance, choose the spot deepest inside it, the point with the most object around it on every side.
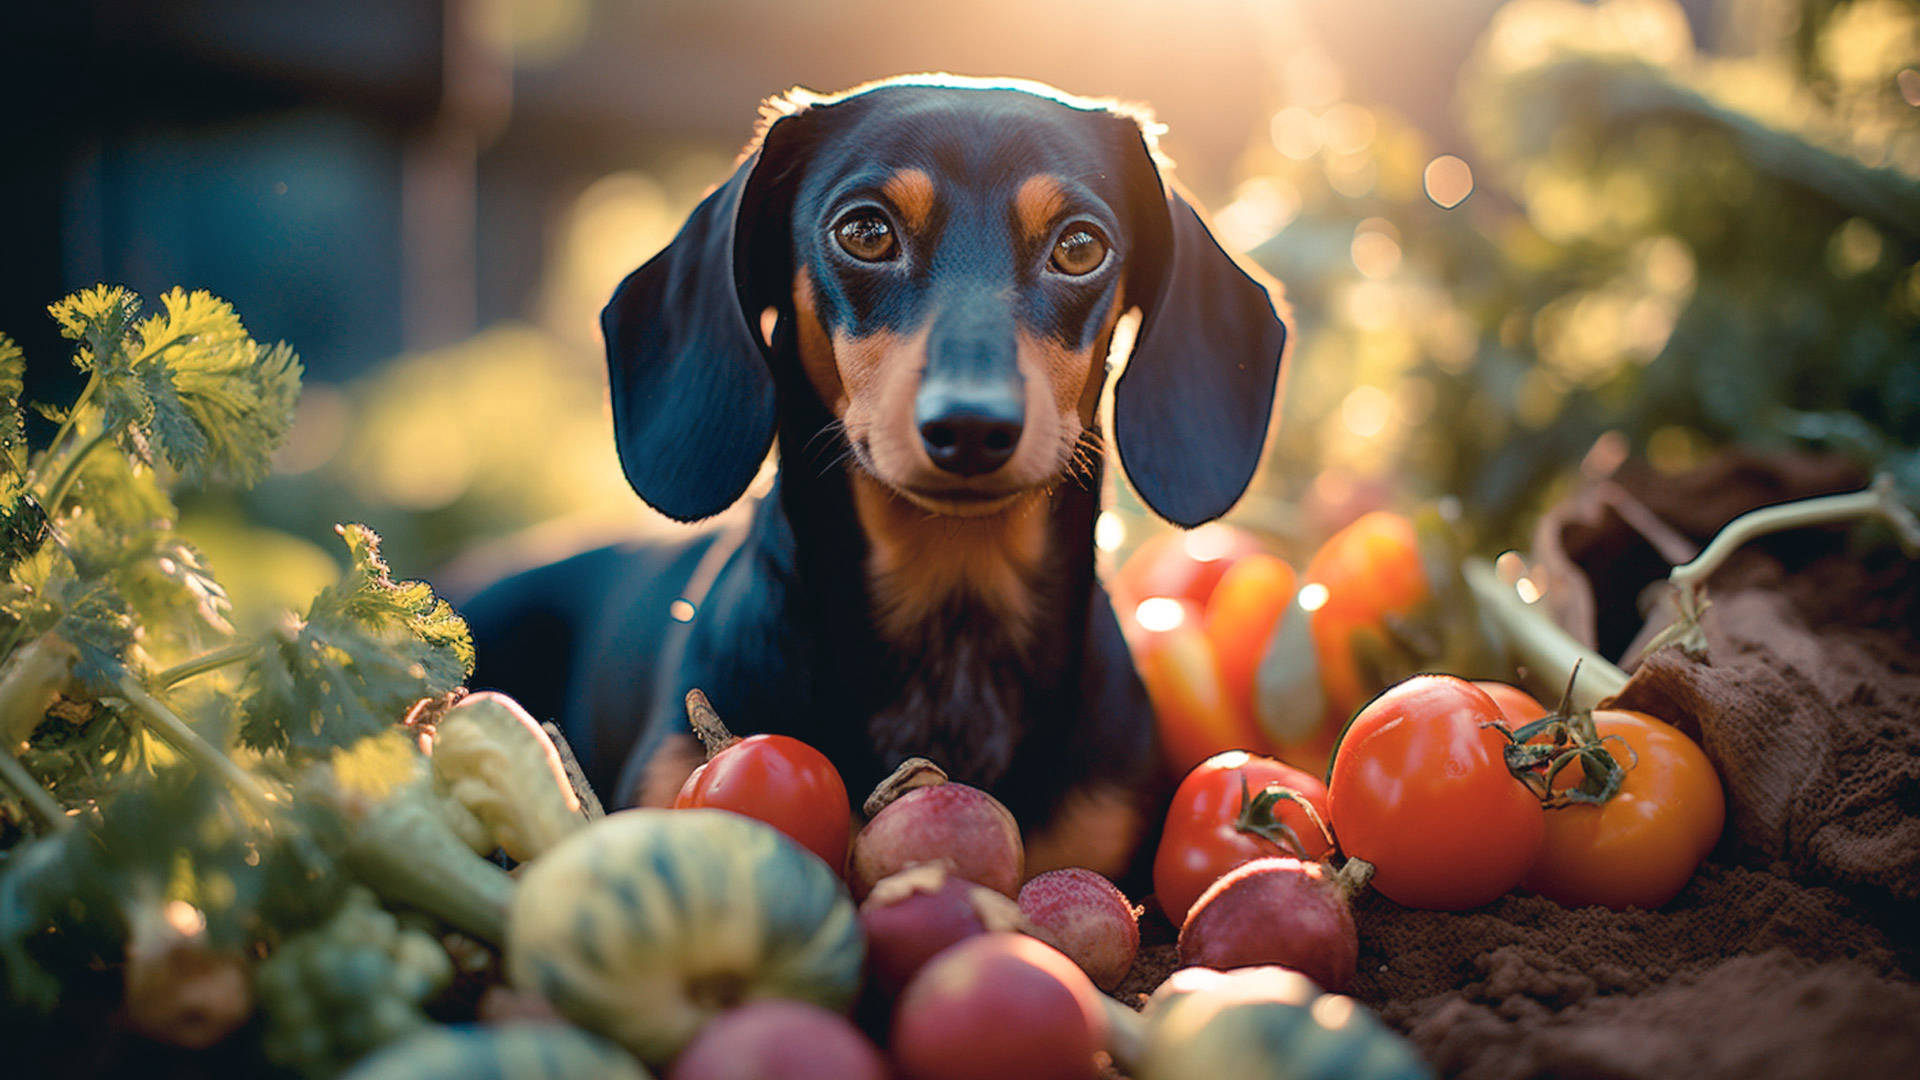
(1276, 911)
(1085, 916)
(999, 1006)
(920, 911)
(918, 816)
(789, 1039)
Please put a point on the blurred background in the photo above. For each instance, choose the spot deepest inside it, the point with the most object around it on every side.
(1520, 239)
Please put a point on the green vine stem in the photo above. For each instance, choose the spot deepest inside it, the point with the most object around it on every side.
(1689, 580)
(165, 723)
(1538, 643)
(205, 662)
(71, 472)
(68, 425)
(15, 777)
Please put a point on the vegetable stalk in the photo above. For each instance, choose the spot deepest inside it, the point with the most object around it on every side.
(1540, 644)
(1689, 580)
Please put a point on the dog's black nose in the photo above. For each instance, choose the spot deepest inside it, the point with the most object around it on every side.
(971, 440)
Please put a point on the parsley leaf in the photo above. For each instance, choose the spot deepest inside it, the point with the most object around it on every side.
(367, 649)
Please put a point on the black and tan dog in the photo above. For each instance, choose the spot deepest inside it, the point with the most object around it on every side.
(912, 287)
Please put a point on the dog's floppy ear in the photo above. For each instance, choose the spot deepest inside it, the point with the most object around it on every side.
(693, 400)
(1191, 410)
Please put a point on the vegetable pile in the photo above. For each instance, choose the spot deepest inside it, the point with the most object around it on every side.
(285, 851)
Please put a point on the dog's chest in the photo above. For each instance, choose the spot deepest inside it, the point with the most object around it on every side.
(962, 608)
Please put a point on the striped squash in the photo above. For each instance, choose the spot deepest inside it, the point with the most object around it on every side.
(525, 1051)
(643, 925)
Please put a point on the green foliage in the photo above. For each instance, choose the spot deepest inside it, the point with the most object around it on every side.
(121, 673)
(367, 649)
(1665, 252)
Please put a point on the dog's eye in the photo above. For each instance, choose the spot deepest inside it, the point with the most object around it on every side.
(866, 236)
(1080, 251)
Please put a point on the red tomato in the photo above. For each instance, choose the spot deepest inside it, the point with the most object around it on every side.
(1370, 569)
(1182, 565)
(1241, 615)
(1518, 706)
(1639, 848)
(1192, 712)
(1202, 839)
(1420, 789)
(783, 782)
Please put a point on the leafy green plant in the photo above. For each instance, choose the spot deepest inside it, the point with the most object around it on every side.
(177, 796)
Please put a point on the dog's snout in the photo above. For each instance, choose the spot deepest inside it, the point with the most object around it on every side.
(971, 437)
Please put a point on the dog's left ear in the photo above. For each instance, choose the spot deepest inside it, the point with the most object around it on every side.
(1190, 413)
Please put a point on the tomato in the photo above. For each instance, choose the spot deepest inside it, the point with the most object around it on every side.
(1202, 839)
(1192, 712)
(1241, 615)
(783, 782)
(1639, 848)
(1420, 789)
(1182, 565)
(1370, 569)
(1518, 706)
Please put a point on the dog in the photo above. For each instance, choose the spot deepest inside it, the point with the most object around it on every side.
(910, 289)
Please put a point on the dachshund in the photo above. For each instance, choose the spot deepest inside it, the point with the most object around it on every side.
(911, 289)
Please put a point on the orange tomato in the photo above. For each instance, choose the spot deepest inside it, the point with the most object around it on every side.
(1245, 607)
(1518, 706)
(1182, 565)
(1639, 848)
(1192, 711)
(1370, 569)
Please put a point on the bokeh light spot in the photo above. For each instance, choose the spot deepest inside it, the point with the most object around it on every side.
(1347, 128)
(1160, 613)
(1296, 133)
(1448, 181)
(1364, 411)
(1376, 248)
(1313, 597)
(1109, 531)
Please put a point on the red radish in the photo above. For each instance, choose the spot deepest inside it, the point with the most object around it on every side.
(918, 816)
(920, 911)
(788, 1039)
(999, 1006)
(1275, 911)
(1087, 917)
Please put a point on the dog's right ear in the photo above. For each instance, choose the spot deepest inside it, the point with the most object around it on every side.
(693, 401)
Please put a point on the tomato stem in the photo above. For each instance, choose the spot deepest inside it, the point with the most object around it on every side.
(1573, 737)
(1257, 818)
(706, 724)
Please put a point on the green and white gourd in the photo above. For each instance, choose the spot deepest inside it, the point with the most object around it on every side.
(644, 925)
(508, 1052)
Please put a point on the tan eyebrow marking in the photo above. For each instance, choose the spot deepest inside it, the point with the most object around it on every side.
(911, 192)
(1039, 199)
